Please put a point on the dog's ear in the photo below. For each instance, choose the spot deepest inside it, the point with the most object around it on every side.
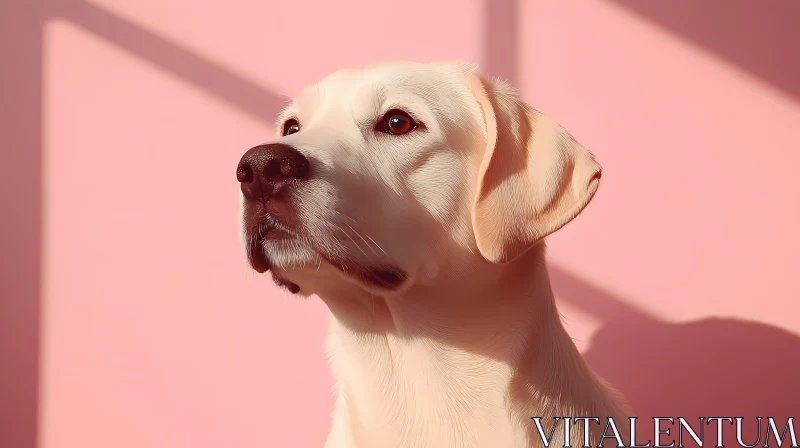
(534, 177)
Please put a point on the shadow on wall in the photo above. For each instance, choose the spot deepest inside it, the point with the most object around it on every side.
(501, 39)
(762, 38)
(706, 368)
(20, 208)
(173, 58)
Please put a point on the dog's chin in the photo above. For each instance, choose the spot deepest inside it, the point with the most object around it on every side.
(257, 256)
(283, 255)
(274, 255)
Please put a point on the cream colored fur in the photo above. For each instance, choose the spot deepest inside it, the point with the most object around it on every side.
(471, 346)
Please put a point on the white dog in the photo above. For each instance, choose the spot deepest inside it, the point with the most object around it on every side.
(413, 199)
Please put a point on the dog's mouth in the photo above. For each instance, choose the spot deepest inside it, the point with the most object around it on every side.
(381, 275)
(267, 230)
(255, 252)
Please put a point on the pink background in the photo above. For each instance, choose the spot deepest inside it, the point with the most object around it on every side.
(129, 318)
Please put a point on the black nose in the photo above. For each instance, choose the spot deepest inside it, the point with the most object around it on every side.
(264, 169)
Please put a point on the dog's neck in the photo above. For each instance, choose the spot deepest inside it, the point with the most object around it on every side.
(504, 313)
(494, 343)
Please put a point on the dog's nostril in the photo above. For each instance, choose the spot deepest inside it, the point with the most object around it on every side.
(290, 165)
(273, 169)
(244, 173)
(295, 167)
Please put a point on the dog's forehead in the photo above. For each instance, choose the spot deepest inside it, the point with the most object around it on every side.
(435, 82)
(397, 75)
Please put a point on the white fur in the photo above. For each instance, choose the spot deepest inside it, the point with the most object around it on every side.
(471, 346)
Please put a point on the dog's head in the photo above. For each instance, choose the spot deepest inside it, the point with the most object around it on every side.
(388, 176)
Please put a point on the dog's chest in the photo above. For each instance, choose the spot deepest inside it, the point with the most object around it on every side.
(407, 393)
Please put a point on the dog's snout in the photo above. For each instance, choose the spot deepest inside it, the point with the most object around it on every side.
(263, 169)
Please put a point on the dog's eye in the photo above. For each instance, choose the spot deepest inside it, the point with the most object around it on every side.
(396, 122)
(291, 126)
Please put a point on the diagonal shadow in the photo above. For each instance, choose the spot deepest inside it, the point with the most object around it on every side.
(712, 366)
(204, 74)
(501, 39)
(763, 38)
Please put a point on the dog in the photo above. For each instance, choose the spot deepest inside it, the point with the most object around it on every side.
(413, 199)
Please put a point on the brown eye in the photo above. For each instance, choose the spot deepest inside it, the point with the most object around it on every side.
(396, 122)
(291, 126)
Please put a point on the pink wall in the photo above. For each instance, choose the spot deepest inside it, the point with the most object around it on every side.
(130, 319)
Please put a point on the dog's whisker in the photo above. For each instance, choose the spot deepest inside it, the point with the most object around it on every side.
(341, 230)
(376, 244)
(358, 246)
(361, 235)
(358, 234)
(344, 215)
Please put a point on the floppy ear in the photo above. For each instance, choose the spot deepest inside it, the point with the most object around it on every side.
(533, 176)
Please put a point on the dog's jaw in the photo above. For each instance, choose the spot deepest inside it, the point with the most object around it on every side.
(401, 363)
